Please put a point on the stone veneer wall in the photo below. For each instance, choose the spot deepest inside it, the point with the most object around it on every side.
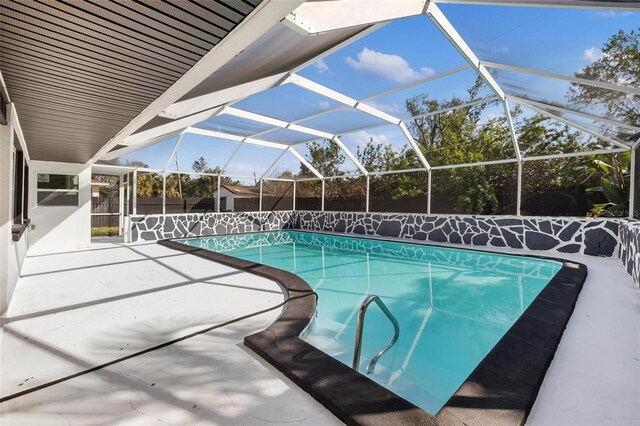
(594, 237)
(159, 227)
(630, 248)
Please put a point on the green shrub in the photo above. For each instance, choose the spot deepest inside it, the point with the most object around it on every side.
(105, 231)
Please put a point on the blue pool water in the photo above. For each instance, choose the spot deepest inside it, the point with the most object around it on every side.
(452, 305)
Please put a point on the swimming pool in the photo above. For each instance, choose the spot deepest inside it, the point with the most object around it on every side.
(452, 305)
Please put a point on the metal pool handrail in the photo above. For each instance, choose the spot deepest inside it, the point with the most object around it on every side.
(359, 331)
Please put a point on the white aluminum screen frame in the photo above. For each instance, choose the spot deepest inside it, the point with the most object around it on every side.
(430, 10)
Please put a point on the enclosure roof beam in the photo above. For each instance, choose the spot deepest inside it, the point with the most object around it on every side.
(236, 93)
(512, 130)
(312, 86)
(377, 95)
(480, 163)
(417, 82)
(390, 172)
(455, 107)
(274, 163)
(173, 152)
(575, 154)
(414, 145)
(437, 17)
(573, 112)
(235, 138)
(221, 97)
(577, 126)
(322, 16)
(171, 127)
(352, 157)
(277, 123)
(143, 144)
(577, 80)
(428, 114)
(305, 163)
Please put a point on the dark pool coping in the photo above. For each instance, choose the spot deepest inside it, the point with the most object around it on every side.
(501, 389)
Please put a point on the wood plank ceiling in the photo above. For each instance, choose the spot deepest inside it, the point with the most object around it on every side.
(79, 71)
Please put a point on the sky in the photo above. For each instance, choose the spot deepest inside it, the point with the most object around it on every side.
(561, 41)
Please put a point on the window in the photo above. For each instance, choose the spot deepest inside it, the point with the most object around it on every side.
(19, 185)
(57, 190)
(18, 180)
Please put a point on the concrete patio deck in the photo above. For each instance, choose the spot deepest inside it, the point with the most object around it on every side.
(76, 310)
(79, 309)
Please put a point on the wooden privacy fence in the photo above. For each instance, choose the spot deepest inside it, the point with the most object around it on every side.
(105, 210)
(153, 205)
(269, 203)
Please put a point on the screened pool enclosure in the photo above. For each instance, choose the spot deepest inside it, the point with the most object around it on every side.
(501, 107)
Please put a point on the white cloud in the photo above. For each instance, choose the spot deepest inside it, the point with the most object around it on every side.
(361, 138)
(592, 54)
(612, 14)
(242, 168)
(321, 66)
(388, 108)
(324, 105)
(390, 67)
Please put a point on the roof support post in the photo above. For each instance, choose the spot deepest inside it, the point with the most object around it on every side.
(322, 196)
(121, 205)
(218, 194)
(134, 195)
(519, 190)
(164, 193)
(366, 206)
(294, 196)
(516, 147)
(429, 172)
(437, 17)
(633, 208)
(260, 200)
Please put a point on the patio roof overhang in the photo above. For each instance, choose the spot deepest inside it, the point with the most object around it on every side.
(80, 73)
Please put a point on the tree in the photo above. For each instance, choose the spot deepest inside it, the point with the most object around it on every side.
(618, 64)
(325, 156)
(614, 181)
(540, 135)
(457, 137)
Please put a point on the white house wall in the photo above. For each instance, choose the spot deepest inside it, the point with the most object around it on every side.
(60, 228)
(12, 253)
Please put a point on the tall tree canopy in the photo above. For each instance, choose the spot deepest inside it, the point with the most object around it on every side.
(618, 64)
